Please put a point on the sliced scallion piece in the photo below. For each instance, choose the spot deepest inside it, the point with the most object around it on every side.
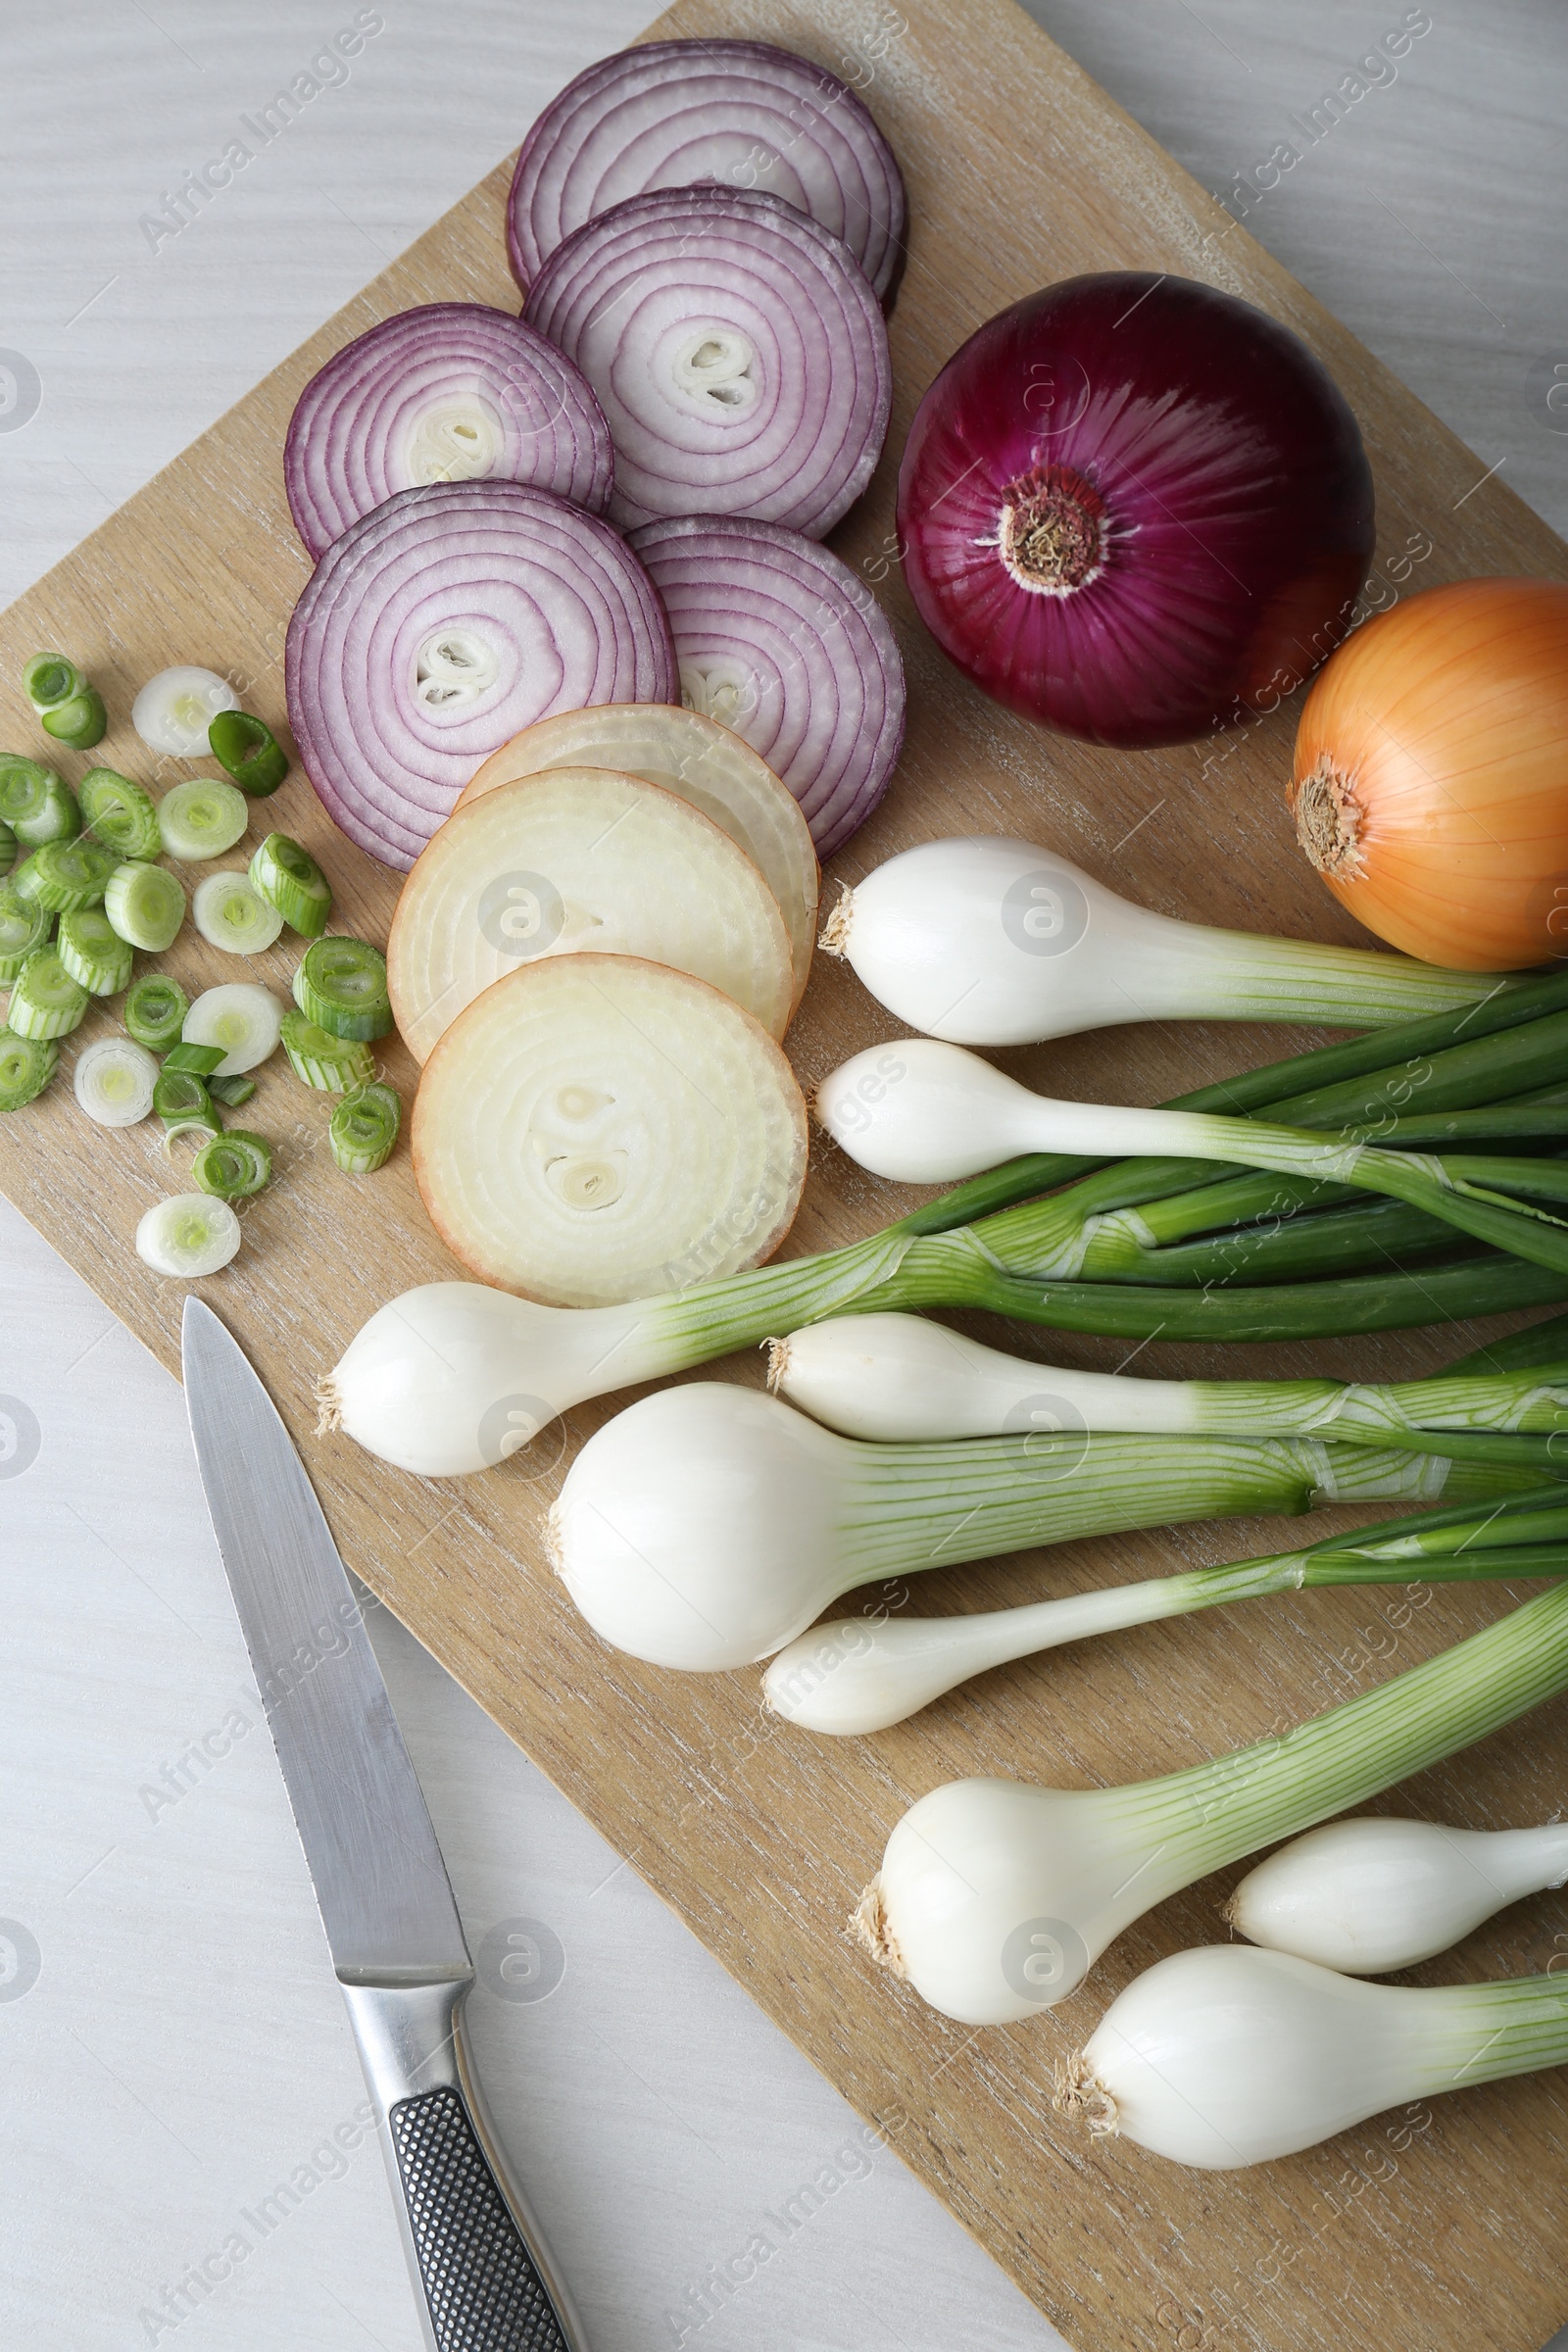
(80, 723)
(201, 1125)
(45, 1001)
(202, 818)
(291, 878)
(201, 1060)
(115, 1081)
(121, 815)
(146, 905)
(94, 951)
(252, 754)
(194, 1233)
(24, 926)
(230, 1091)
(364, 1129)
(243, 1018)
(50, 679)
(155, 1012)
(234, 1166)
(27, 1065)
(35, 803)
(8, 850)
(338, 1065)
(232, 914)
(341, 986)
(179, 1097)
(64, 875)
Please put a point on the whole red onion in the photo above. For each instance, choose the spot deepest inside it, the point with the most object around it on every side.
(1135, 509)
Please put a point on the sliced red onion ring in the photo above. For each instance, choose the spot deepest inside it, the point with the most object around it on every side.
(736, 349)
(440, 625)
(779, 642)
(453, 392)
(740, 112)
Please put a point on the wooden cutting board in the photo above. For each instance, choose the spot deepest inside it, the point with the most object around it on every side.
(1442, 2228)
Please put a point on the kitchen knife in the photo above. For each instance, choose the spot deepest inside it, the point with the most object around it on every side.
(482, 2278)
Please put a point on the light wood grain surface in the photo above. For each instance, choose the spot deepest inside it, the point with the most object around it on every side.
(1445, 2227)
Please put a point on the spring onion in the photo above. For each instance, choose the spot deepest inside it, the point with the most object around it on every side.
(123, 816)
(978, 1867)
(200, 1061)
(175, 710)
(146, 905)
(191, 1235)
(231, 914)
(8, 850)
(35, 803)
(94, 951)
(364, 1128)
(851, 1676)
(252, 754)
(295, 884)
(243, 1018)
(202, 818)
(45, 1001)
(230, 1091)
(64, 875)
(340, 983)
(69, 706)
(49, 679)
(27, 1065)
(24, 926)
(1226, 2056)
(234, 1166)
(115, 1080)
(1374, 1894)
(155, 1007)
(180, 1099)
(337, 1065)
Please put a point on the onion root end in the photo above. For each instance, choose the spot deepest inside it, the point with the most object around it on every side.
(868, 1925)
(1330, 820)
(1081, 2096)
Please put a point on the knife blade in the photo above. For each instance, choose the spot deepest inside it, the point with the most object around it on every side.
(483, 2279)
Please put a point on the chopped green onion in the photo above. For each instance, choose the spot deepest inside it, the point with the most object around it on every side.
(180, 1096)
(204, 1124)
(291, 878)
(124, 815)
(202, 818)
(234, 1166)
(230, 1091)
(45, 1001)
(364, 1129)
(80, 723)
(252, 754)
(115, 1081)
(243, 1018)
(155, 1011)
(64, 875)
(35, 803)
(192, 1235)
(341, 986)
(146, 905)
(201, 1060)
(8, 850)
(24, 926)
(231, 913)
(94, 951)
(27, 1065)
(338, 1065)
(49, 679)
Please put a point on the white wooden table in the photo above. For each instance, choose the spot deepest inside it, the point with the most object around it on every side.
(173, 2060)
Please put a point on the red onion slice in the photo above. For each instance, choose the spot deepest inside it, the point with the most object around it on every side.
(453, 392)
(440, 625)
(736, 349)
(779, 640)
(739, 113)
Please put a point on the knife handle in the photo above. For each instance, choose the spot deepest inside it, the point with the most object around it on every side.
(481, 2274)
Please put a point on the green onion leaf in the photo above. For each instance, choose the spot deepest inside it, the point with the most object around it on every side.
(202, 818)
(94, 951)
(230, 1091)
(45, 1001)
(338, 1065)
(155, 1012)
(202, 1060)
(35, 803)
(124, 815)
(295, 884)
(8, 850)
(364, 1129)
(24, 926)
(341, 986)
(49, 679)
(80, 723)
(180, 1096)
(66, 874)
(115, 1081)
(252, 754)
(146, 905)
(231, 913)
(27, 1065)
(234, 1166)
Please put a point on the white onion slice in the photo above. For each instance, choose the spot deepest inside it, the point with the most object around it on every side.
(741, 113)
(114, 1081)
(243, 1017)
(443, 588)
(450, 392)
(230, 913)
(174, 709)
(736, 351)
(191, 1235)
(777, 639)
(699, 762)
(581, 859)
(594, 1129)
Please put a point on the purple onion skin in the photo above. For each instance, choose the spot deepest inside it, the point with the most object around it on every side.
(1178, 479)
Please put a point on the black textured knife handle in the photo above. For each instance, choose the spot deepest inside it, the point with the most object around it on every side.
(479, 2279)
